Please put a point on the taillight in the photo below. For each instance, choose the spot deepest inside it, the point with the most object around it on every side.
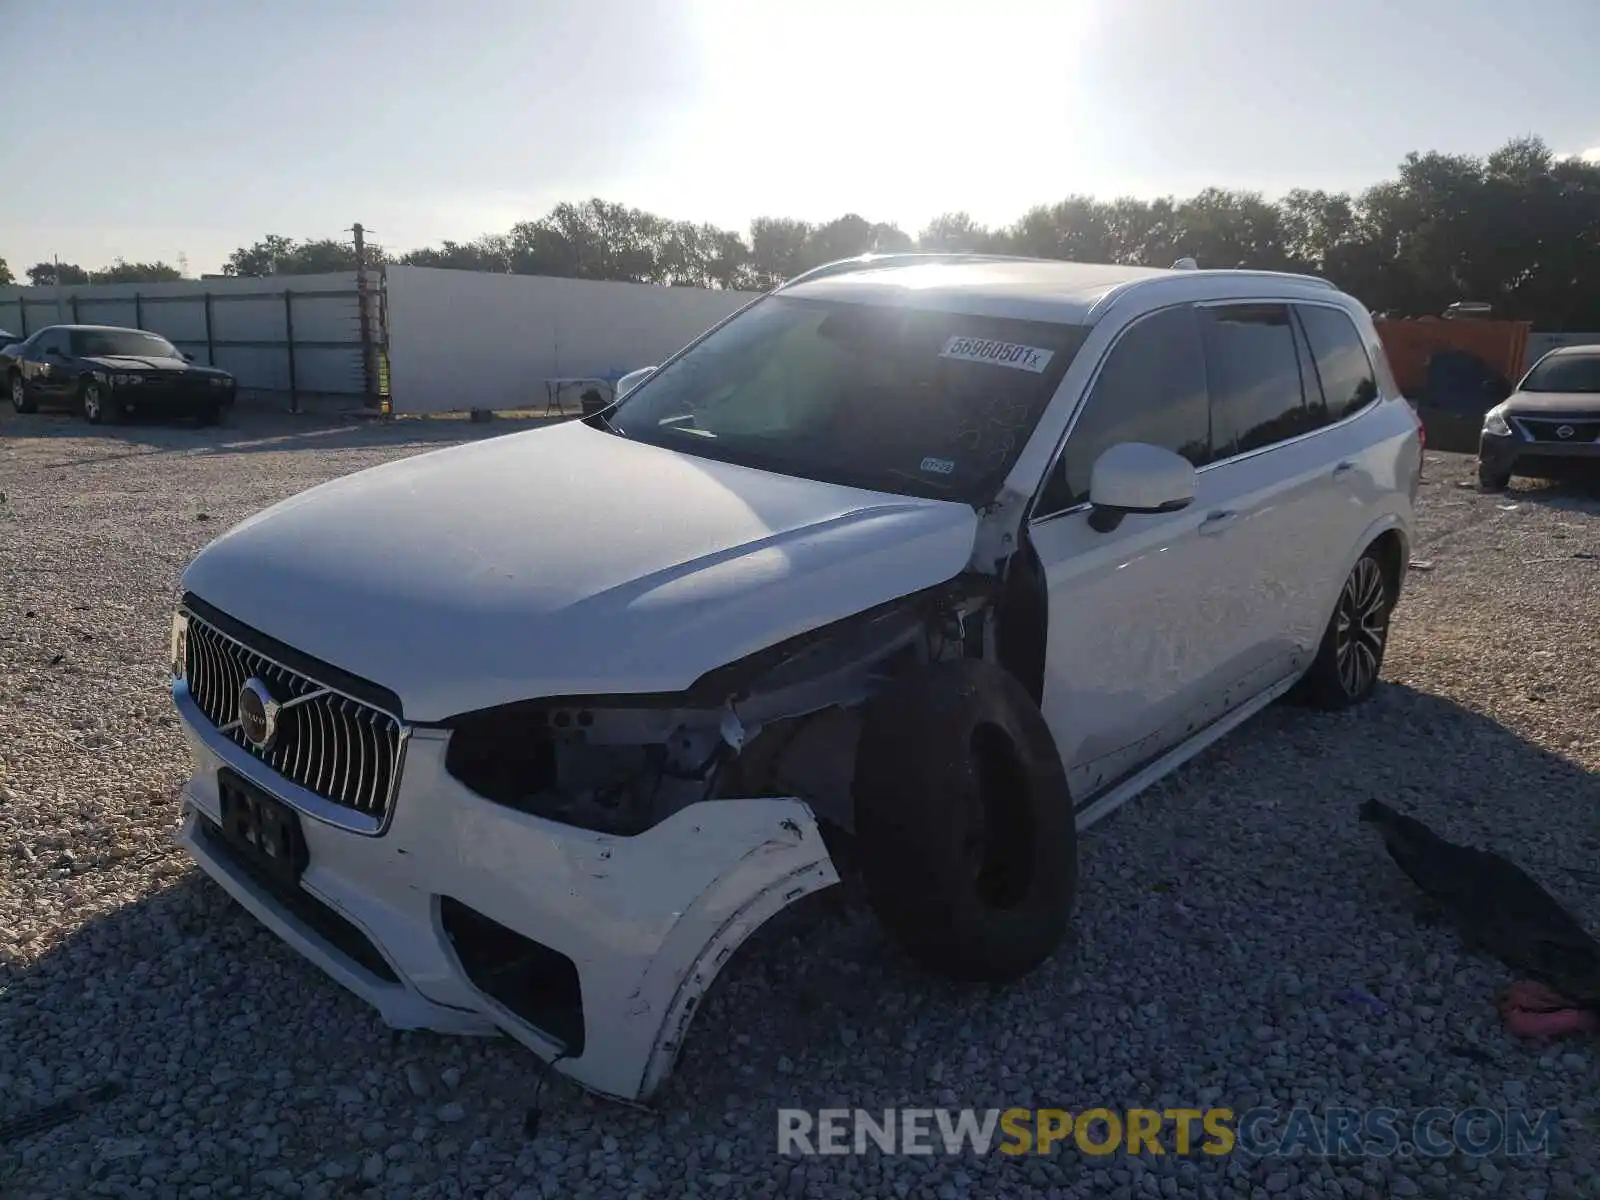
(1422, 439)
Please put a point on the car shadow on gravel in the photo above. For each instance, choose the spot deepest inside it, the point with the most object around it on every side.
(1576, 490)
(1225, 917)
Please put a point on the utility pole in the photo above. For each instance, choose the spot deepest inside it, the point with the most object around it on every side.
(60, 319)
(369, 371)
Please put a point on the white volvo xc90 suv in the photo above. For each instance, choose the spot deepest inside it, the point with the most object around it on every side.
(930, 560)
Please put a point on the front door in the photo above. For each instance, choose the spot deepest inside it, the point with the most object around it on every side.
(46, 367)
(1148, 621)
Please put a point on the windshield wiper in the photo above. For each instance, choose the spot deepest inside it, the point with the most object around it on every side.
(599, 420)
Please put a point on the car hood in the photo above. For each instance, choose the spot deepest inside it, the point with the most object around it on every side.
(1536, 404)
(566, 561)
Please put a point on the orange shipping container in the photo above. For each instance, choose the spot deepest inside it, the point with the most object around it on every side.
(1411, 342)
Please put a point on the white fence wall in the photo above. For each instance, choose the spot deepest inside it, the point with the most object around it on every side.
(461, 339)
(1540, 344)
(242, 310)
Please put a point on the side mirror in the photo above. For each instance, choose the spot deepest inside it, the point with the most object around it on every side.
(632, 380)
(1136, 477)
(187, 357)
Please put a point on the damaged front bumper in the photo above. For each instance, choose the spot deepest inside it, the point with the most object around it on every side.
(468, 917)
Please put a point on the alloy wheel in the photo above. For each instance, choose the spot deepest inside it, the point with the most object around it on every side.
(91, 402)
(1360, 627)
(19, 394)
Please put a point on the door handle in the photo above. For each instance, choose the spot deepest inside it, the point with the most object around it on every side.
(1343, 468)
(1216, 522)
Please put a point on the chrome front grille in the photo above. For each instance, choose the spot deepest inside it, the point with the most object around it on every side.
(342, 749)
(1579, 430)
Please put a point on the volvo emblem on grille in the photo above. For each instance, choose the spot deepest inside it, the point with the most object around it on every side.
(258, 713)
(1565, 431)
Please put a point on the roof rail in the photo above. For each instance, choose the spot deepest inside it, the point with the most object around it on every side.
(909, 258)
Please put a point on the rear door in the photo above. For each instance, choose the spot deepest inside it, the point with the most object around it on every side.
(1271, 459)
(1358, 454)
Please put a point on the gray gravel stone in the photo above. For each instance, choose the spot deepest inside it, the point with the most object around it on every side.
(1232, 918)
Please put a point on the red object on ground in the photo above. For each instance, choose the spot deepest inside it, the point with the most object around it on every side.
(1533, 1010)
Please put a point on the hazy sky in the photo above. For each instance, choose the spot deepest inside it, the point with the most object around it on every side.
(147, 129)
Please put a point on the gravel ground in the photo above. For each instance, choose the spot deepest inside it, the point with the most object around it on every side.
(1226, 916)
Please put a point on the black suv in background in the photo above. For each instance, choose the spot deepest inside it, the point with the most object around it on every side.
(106, 373)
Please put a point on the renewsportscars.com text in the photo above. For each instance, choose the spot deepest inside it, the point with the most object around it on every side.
(1433, 1132)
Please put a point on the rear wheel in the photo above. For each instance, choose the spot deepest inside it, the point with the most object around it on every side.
(964, 824)
(1346, 668)
(20, 400)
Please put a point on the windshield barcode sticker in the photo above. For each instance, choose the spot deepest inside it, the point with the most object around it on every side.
(1000, 354)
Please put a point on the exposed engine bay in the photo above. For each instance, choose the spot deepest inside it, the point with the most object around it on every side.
(783, 723)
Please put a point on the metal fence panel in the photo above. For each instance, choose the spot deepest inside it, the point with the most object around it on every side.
(294, 334)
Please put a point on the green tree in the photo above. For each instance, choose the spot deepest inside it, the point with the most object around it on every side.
(279, 255)
(6, 278)
(138, 272)
(1519, 228)
(46, 274)
(954, 231)
(490, 253)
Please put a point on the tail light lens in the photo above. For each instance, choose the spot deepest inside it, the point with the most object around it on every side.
(1422, 439)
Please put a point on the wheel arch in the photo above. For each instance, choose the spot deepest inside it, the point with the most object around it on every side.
(1389, 536)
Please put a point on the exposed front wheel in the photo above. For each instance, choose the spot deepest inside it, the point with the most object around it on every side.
(20, 400)
(964, 824)
(96, 406)
(1491, 480)
(1346, 668)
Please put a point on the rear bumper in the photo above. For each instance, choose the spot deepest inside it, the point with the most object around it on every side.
(642, 923)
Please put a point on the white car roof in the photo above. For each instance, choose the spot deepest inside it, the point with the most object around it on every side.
(1046, 290)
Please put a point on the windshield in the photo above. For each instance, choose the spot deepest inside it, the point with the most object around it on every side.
(1568, 373)
(128, 342)
(894, 399)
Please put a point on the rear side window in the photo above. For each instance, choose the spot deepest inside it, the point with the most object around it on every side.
(1152, 389)
(1256, 393)
(1341, 369)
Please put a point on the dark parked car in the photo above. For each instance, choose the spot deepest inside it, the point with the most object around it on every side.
(1553, 416)
(105, 373)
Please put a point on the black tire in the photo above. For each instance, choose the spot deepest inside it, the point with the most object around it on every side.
(97, 404)
(20, 400)
(1349, 660)
(965, 829)
(211, 414)
(1490, 480)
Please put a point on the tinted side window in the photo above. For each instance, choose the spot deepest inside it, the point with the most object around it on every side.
(1340, 359)
(1152, 388)
(49, 341)
(1317, 414)
(1256, 397)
